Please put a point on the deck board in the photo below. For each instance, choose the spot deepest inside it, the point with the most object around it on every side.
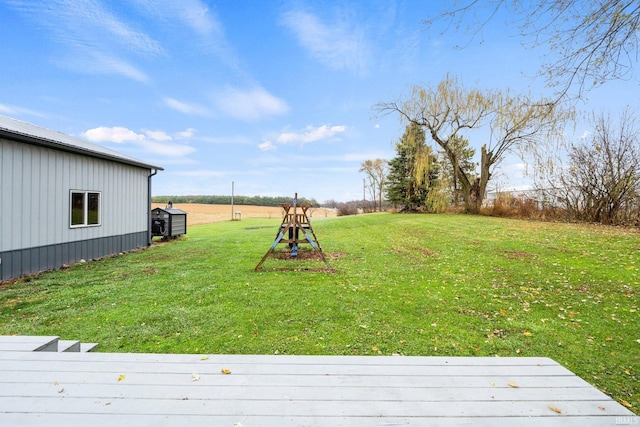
(101, 389)
(28, 343)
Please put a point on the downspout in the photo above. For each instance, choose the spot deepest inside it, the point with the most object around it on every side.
(149, 236)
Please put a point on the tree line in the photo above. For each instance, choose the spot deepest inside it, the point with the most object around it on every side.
(237, 200)
(592, 179)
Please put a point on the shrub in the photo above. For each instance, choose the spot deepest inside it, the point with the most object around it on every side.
(349, 208)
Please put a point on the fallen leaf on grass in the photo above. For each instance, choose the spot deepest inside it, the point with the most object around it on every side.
(512, 384)
(554, 409)
(625, 403)
(225, 371)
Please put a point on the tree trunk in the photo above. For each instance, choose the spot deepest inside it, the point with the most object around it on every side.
(459, 175)
(481, 190)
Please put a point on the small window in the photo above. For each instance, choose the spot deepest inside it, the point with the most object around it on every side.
(85, 208)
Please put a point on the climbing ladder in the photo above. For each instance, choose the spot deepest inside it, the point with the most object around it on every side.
(294, 230)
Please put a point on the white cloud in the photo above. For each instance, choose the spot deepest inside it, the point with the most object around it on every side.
(5, 109)
(339, 46)
(113, 65)
(96, 39)
(151, 142)
(249, 104)
(157, 135)
(198, 16)
(207, 34)
(13, 110)
(101, 63)
(185, 108)
(267, 146)
(311, 134)
(115, 134)
(186, 134)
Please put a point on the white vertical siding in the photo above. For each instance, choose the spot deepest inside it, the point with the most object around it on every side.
(34, 196)
(15, 197)
(6, 181)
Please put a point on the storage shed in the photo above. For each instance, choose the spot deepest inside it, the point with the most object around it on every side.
(63, 199)
(168, 222)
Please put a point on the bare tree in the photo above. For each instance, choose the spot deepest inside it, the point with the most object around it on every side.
(590, 42)
(601, 182)
(516, 123)
(376, 171)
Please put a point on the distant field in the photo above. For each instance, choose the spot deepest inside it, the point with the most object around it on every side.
(207, 214)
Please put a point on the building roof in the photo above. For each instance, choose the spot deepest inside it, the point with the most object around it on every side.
(31, 134)
(171, 211)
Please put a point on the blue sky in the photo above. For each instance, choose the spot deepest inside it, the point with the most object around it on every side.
(275, 96)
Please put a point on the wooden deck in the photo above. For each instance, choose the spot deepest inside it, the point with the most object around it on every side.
(106, 389)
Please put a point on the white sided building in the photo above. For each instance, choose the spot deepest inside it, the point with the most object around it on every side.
(63, 199)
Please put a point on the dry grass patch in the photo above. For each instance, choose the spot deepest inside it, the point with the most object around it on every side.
(206, 214)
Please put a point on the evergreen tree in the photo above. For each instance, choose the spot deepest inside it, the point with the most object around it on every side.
(412, 171)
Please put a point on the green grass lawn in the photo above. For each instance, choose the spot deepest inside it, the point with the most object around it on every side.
(453, 285)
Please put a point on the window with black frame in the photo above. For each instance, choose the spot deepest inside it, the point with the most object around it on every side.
(85, 208)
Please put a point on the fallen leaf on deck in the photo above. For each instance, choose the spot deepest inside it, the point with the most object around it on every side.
(512, 384)
(120, 378)
(204, 358)
(602, 408)
(554, 409)
(195, 377)
(61, 390)
(225, 371)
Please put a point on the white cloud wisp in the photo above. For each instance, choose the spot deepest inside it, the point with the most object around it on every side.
(249, 105)
(311, 134)
(157, 143)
